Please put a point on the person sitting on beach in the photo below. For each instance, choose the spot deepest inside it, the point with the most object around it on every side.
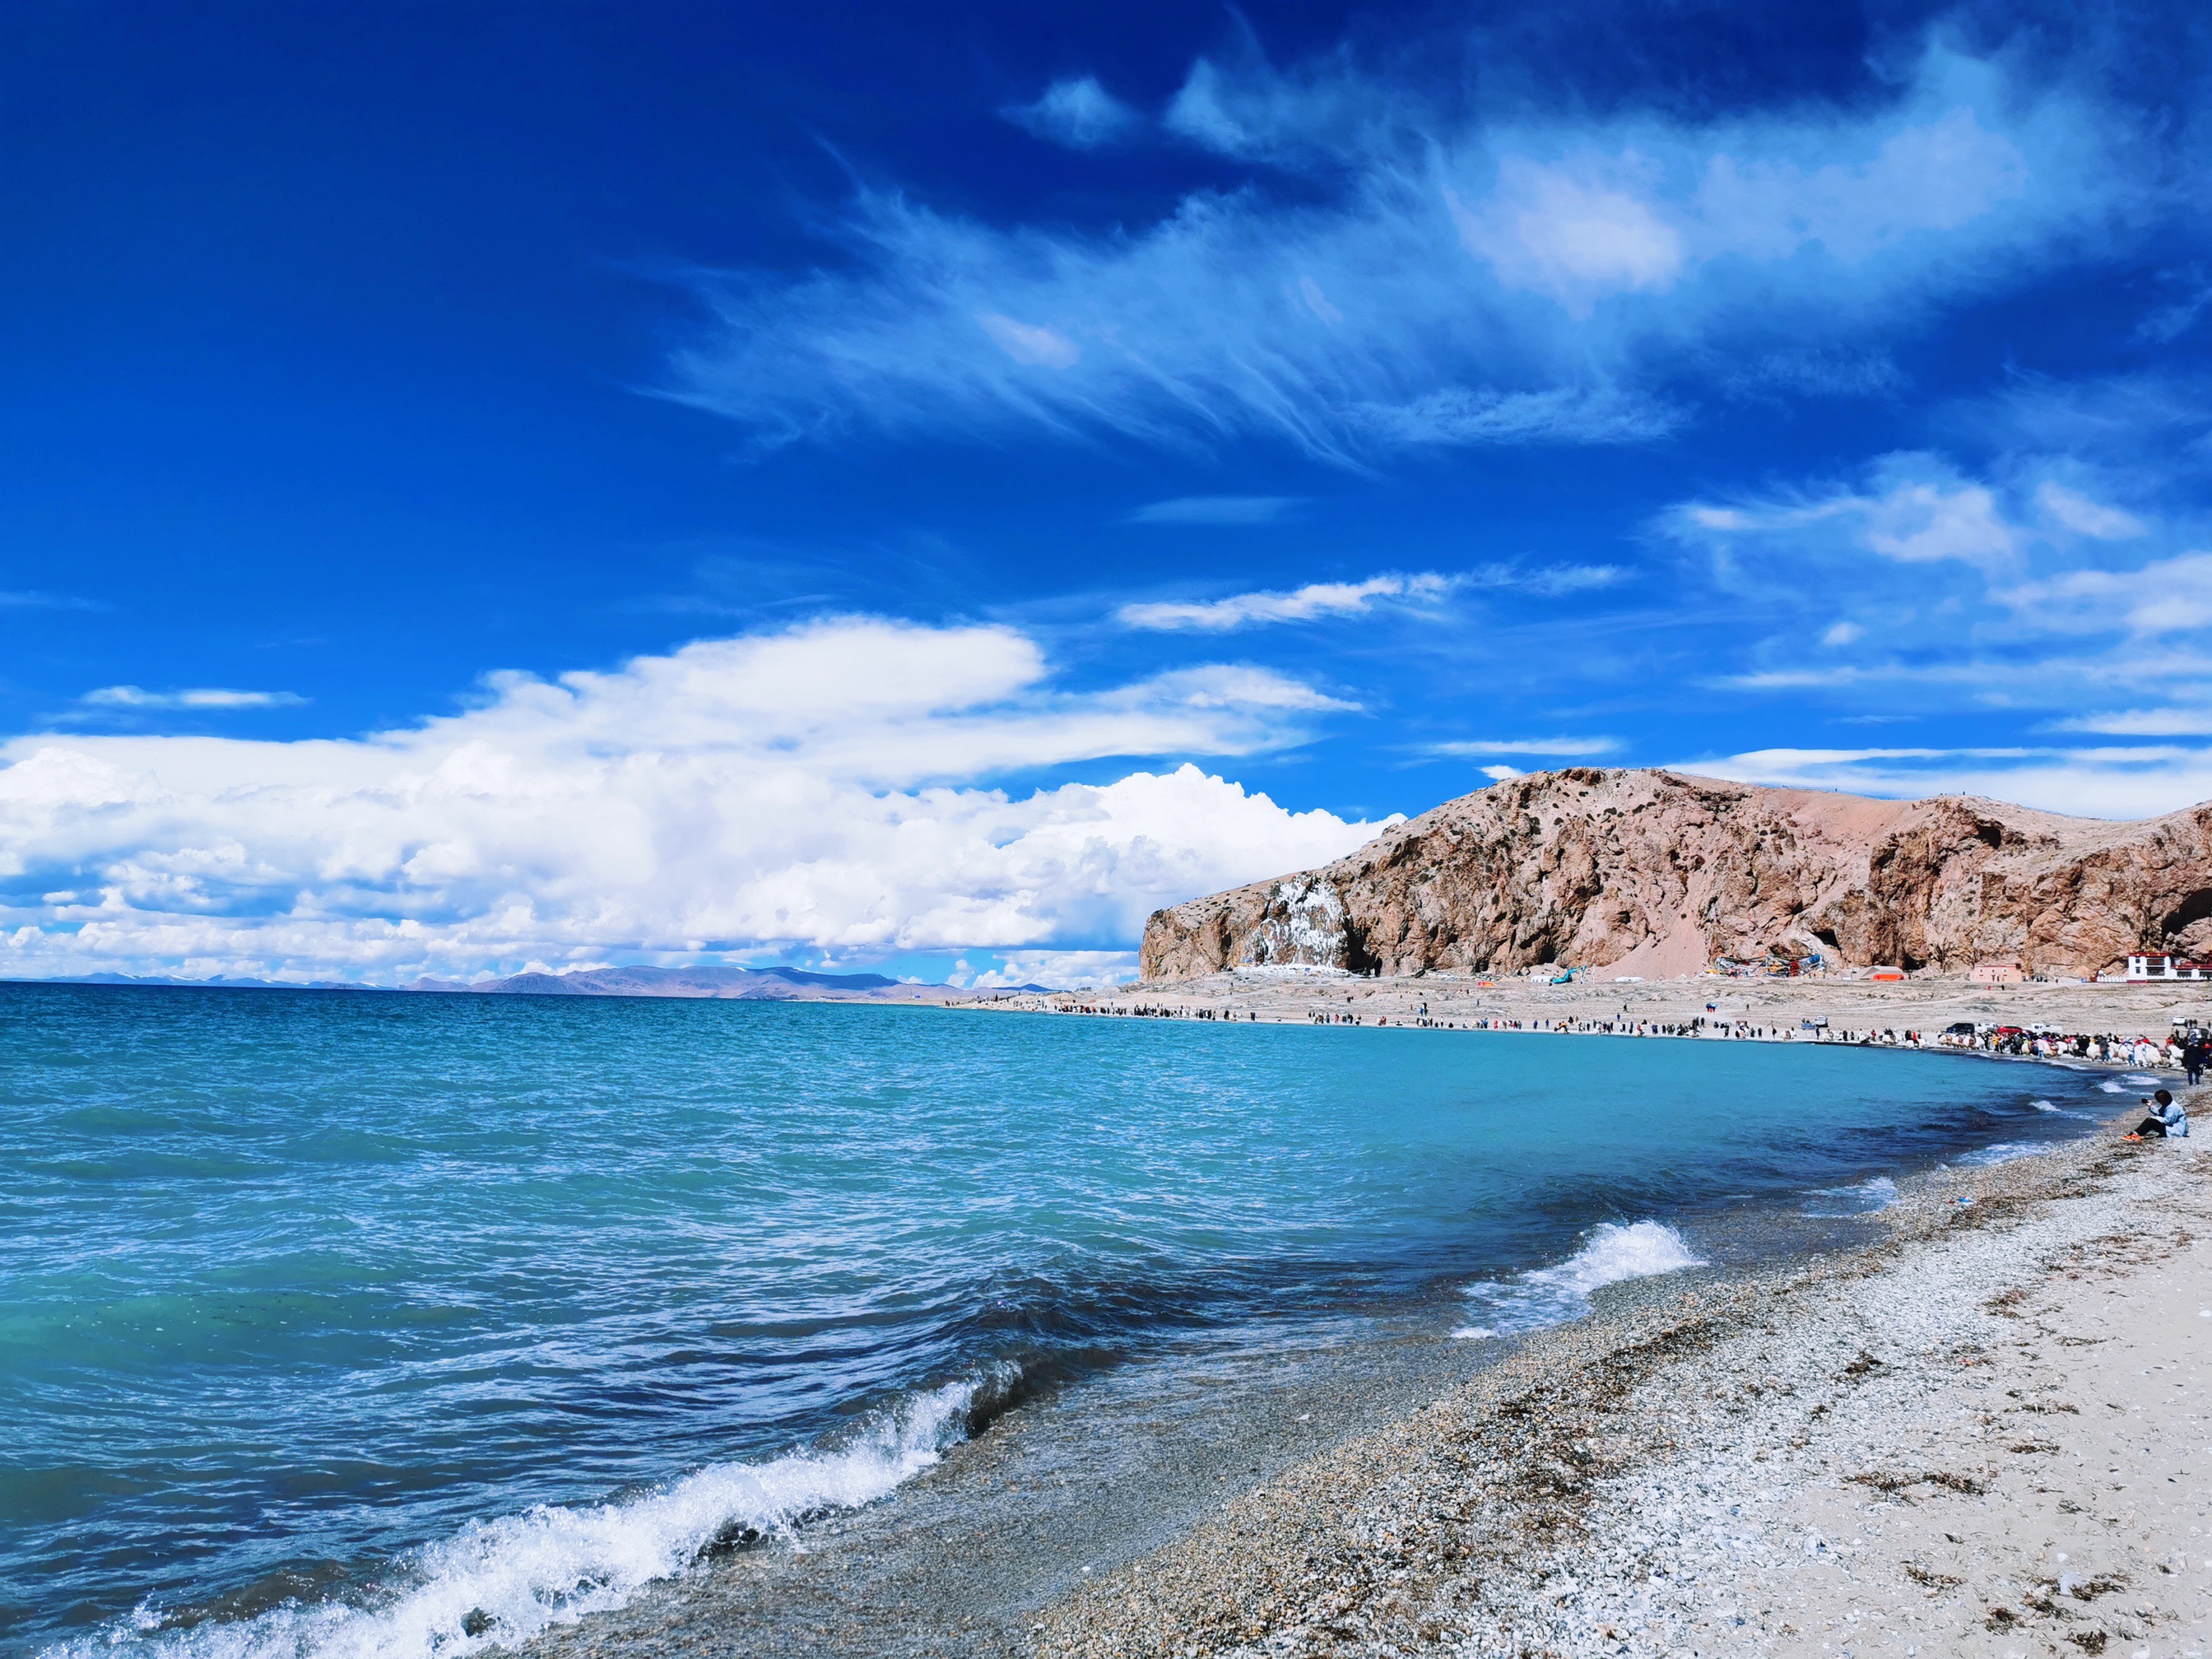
(2165, 1118)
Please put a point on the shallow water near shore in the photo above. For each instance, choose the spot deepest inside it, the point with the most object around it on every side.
(362, 1323)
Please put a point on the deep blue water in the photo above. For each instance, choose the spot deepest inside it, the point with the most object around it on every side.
(306, 1300)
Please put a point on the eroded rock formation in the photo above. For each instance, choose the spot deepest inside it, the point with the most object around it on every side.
(1655, 873)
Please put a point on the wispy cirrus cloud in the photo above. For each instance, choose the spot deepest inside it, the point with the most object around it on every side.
(1458, 416)
(1439, 278)
(2188, 721)
(1563, 746)
(1219, 510)
(2165, 596)
(31, 599)
(2064, 582)
(1911, 509)
(1548, 581)
(2123, 782)
(206, 697)
(1076, 112)
(1312, 602)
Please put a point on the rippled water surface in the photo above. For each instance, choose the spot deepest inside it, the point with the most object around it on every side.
(307, 1300)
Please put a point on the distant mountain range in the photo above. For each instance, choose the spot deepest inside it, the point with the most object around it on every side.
(736, 984)
(742, 984)
(219, 982)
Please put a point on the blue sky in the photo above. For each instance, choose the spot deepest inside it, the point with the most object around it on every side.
(487, 486)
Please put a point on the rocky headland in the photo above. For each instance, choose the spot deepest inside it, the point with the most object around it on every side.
(1659, 873)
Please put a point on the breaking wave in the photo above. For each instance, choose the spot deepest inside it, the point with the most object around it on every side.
(1611, 1253)
(499, 1583)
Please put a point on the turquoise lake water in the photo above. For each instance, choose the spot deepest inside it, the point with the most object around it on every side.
(385, 1324)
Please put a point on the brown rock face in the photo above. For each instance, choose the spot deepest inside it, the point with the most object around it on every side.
(1659, 873)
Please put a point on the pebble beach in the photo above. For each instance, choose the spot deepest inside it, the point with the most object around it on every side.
(1984, 1433)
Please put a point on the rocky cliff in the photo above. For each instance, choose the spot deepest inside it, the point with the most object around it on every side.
(1656, 873)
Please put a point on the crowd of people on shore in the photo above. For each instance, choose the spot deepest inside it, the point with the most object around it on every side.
(2184, 1049)
(2187, 1048)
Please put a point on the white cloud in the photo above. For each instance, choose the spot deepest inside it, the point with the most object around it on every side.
(1915, 509)
(1349, 317)
(1315, 114)
(1061, 969)
(2078, 512)
(1551, 581)
(1218, 509)
(1308, 604)
(2124, 782)
(132, 696)
(1030, 342)
(28, 599)
(1570, 414)
(2167, 596)
(1499, 773)
(1077, 112)
(819, 787)
(1959, 581)
(2187, 721)
(1562, 745)
(1576, 233)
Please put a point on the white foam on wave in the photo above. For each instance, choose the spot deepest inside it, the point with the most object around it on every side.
(2136, 1079)
(501, 1582)
(2113, 1088)
(2002, 1152)
(1861, 1198)
(1611, 1253)
(2043, 1106)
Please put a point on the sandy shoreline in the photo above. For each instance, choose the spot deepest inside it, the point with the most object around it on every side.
(1984, 1434)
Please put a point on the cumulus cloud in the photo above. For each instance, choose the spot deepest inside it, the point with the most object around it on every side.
(1436, 277)
(1070, 969)
(1077, 112)
(132, 696)
(1311, 602)
(824, 786)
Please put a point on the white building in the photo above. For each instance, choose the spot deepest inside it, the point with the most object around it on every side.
(2150, 969)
